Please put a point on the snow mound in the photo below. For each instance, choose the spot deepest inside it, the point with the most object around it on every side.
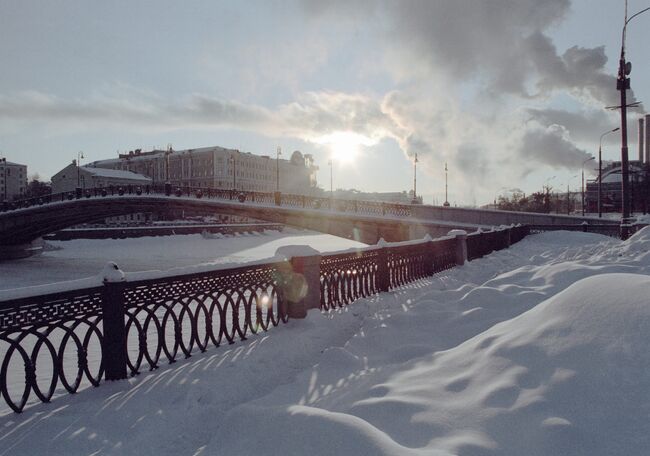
(565, 377)
(561, 378)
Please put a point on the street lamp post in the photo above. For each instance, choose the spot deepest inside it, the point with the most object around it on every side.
(600, 169)
(568, 194)
(277, 169)
(168, 184)
(622, 84)
(80, 155)
(583, 184)
(277, 197)
(415, 172)
(3, 160)
(233, 160)
(329, 162)
(446, 203)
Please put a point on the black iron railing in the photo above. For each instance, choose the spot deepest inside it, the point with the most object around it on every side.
(56, 343)
(53, 340)
(66, 338)
(173, 317)
(607, 230)
(347, 277)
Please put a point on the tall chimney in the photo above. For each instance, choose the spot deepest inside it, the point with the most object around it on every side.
(647, 138)
(641, 138)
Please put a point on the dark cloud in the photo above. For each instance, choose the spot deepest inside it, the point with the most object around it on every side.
(583, 126)
(551, 146)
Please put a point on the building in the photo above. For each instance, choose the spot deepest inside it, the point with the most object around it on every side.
(86, 177)
(13, 180)
(611, 188)
(218, 167)
(639, 179)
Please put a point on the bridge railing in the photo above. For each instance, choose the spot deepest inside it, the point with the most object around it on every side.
(482, 243)
(280, 199)
(607, 230)
(64, 340)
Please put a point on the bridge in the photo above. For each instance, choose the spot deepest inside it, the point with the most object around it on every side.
(366, 221)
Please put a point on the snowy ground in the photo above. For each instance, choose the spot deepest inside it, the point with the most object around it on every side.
(537, 350)
(81, 258)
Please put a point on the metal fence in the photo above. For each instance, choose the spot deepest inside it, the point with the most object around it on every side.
(59, 342)
(607, 230)
(75, 336)
(480, 243)
(279, 199)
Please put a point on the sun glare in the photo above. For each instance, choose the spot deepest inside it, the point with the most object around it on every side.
(344, 145)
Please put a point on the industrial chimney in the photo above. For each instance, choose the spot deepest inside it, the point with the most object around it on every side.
(641, 138)
(647, 138)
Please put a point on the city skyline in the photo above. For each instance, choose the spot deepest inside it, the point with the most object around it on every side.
(508, 93)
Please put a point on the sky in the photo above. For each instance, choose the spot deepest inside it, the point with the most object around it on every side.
(509, 93)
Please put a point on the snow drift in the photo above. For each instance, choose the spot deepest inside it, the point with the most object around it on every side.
(540, 349)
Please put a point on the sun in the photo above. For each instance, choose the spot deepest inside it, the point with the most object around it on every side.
(344, 145)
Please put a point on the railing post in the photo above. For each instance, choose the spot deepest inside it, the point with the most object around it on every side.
(461, 245)
(383, 270)
(114, 353)
(302, 286)
(277, 197)
(430, 249)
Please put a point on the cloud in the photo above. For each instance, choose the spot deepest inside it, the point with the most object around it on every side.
(551, 146)
(487, 59)
(584, 126)
(312, 115)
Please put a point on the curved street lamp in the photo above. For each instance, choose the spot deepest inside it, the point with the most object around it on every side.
(568, 194)
(622, 84)
(583, 184)
(600, 169)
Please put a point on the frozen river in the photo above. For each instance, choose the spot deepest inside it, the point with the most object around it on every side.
(81, 258)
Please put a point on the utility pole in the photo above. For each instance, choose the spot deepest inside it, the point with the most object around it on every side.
(622, 84)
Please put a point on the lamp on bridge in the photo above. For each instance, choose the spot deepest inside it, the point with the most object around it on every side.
(330, 162)
(446, 203)
(80, 155)
(233, 160)
(415, 172)
(277, 197)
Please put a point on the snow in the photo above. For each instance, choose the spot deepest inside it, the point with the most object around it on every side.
(116, 173)
(290, 251)
(85, 258)
(540, 349)
(112, 273)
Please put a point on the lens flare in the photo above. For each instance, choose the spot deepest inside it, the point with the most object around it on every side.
(344, 145)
